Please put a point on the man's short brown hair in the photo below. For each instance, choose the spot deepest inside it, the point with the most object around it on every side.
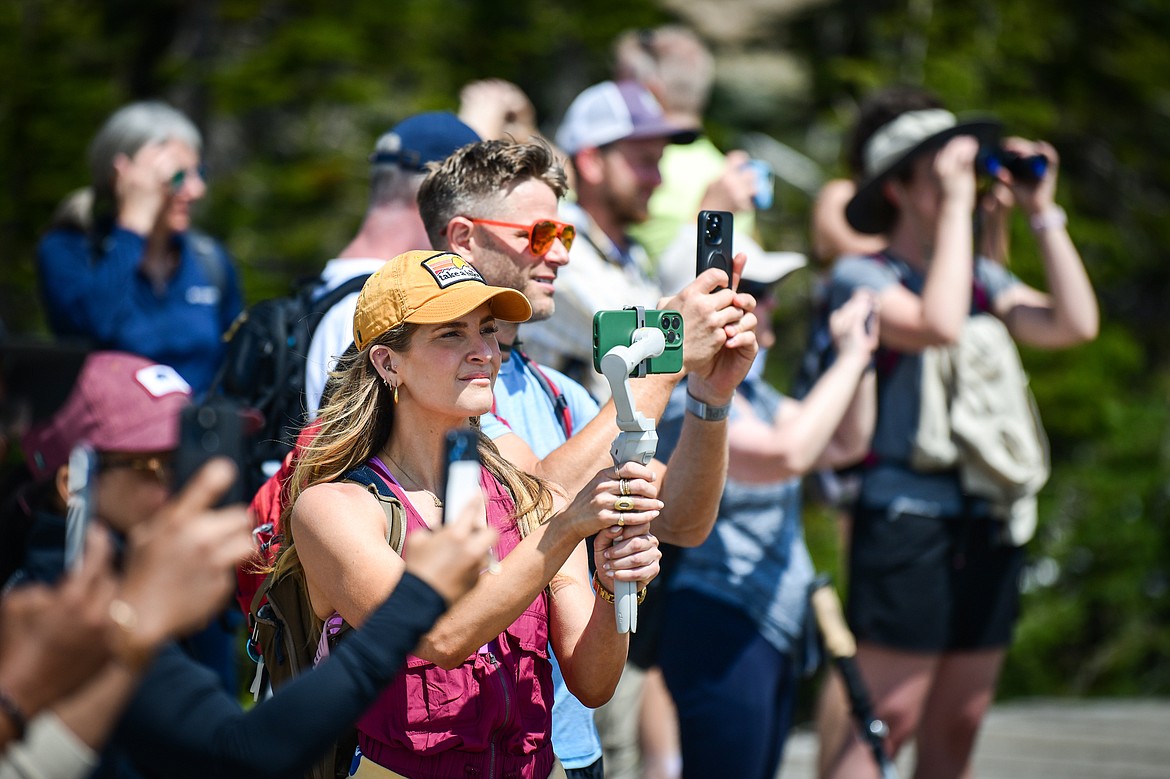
(479, 174)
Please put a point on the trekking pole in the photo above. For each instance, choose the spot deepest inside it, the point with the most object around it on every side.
(637, 440)
(842, 647)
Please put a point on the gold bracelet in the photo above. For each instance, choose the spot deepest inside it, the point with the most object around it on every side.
(608, 596)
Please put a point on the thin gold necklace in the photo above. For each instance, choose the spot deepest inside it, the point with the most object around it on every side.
(416, 482)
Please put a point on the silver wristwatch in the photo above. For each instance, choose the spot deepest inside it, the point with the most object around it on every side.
(706, 411)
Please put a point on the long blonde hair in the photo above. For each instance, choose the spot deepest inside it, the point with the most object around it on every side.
(356, 421)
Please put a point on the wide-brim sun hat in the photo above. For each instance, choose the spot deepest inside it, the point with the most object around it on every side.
(428, 287)
(894, 146)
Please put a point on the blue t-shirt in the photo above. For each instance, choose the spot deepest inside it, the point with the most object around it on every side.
(524, 407)
(755, 558)
(99, 293)
(890, 482)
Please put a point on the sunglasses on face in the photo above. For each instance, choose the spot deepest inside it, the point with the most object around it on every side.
(162, 466)
(540, 233)
(181, 176)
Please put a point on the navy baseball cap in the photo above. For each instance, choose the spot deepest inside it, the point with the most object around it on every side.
(422, 138)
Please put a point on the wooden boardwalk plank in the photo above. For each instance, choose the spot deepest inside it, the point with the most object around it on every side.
(1044, 739)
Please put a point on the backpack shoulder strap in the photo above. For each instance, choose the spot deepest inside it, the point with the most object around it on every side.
(559, 401)
(395, 513)
(316, 309)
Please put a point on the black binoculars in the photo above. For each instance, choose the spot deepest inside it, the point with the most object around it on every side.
(1029, 169)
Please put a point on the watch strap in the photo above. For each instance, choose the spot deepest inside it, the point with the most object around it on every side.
(706, 411)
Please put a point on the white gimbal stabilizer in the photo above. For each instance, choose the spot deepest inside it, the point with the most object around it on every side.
(638, 439)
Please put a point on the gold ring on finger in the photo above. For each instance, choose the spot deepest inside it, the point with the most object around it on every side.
(624, 486)
(621, 521)
(623, 504)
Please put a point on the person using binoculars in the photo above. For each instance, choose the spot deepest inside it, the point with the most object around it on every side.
(934, 569)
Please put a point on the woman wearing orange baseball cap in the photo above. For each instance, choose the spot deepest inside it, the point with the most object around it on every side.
(478, 695)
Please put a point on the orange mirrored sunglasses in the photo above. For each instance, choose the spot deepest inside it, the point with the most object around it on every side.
(540, 233)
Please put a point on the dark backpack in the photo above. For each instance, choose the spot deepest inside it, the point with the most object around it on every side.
(285, 631)
(264, 369)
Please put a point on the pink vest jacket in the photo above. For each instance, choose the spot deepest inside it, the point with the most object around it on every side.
(491, 716)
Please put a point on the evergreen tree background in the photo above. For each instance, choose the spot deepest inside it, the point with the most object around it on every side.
(291, 95)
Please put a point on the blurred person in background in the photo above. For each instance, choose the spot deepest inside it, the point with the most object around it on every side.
(497, 110)
(934, 569)
(736, 633)
(123, 268)
(121, 265)
(614, 134)
(677, 67)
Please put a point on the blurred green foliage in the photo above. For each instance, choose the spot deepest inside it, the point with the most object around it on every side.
(291, 95)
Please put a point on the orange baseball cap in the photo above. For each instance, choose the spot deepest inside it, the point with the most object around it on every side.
(428, 288)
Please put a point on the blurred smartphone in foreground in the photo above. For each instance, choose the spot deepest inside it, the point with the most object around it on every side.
(461, 476)
(80, 508)
(213, 428)
(461, 480)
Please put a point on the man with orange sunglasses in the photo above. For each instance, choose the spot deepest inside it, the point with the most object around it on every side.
(615, 133)
(495, 204)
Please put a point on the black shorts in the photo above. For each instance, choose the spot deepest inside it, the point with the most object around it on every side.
(932, 584)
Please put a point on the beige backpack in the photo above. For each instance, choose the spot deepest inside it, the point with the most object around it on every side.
(978, 414)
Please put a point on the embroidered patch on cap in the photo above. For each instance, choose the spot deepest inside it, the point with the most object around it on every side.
(451, 269)
(161, 380)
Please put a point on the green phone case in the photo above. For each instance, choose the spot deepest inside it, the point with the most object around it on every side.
(615, 328)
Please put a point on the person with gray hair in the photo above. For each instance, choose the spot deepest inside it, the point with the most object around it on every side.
(122, 267)
(391, 226)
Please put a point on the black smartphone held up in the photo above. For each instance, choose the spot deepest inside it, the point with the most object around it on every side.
(461, 475)
(214, 428)
(714, 242)
(79, 512)
(616, 328)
